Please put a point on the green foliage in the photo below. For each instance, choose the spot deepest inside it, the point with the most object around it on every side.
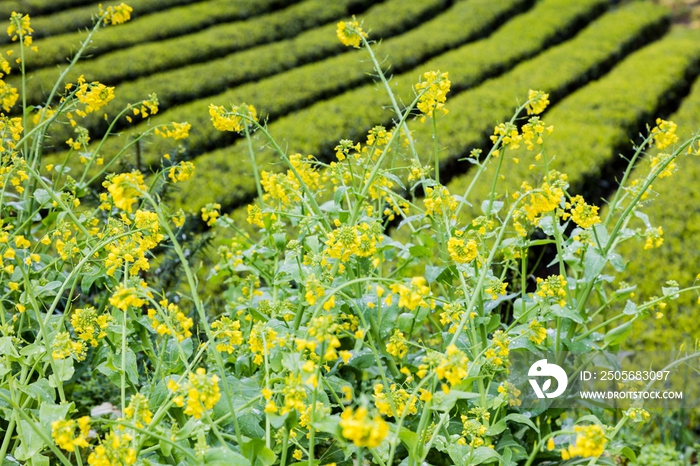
(68, 21)
(658, 455)
(592, 124)
(38, 7)
(186, 84)
(676, 210)
(290, 91)
(604, 40)
(200, 46)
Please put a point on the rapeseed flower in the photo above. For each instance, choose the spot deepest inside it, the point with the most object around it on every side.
(590, 442)
(125, 189)
(117, 14)
(350, 33)
(65, 435)
(433, 93)
(362, 430)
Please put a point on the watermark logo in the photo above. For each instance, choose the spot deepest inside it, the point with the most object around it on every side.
(542, 368)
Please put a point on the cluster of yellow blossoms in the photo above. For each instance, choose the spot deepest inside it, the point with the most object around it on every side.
(433, 93)
(553, 289)
(117, 14)
(93, 95)
(361, 429)
(200, 393)
(416, 294)
(590, 442)
(233, 120)
(125, 189)
(350, 33)
(397, 400)
(67, 437)
(171, 321)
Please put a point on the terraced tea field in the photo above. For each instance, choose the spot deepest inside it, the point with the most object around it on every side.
(610, 71)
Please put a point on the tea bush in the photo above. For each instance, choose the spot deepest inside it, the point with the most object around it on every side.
(576, 61)
(185, 84)
(211, 42)
(339, 73)
(68, 21)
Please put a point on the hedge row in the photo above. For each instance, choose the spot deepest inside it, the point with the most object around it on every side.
(303, 86)
(677, 210)
(605, 40)
(186, 84)
(39, 7)
(595, 123)
(67, 21)
(149, 56)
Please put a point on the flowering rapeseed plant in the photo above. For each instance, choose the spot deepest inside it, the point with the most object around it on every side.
(330, 338)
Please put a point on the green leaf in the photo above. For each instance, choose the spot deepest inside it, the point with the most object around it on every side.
(7, 347)
(223, 457)
(433, 272)
(630, 308)
(420, 251)
(340, 194)
(629, 454)
(496, 428)
(484, 455)
(64, 371)
(40, 390)
(593, 265)
(618, 334)
(567, 313)
(31, 444)
(49, 412)
(256, 449)
(521, 419)
(410, 439)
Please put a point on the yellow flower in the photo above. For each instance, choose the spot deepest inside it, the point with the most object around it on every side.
(64, 433)
(181, 172)
(590, 442)
(117, 14)
(232, 120)
(350, 33)
(261, 340)
(654, 238)
(362, 430)
(178, 131)
(176, 323)
(137, 413)
(452, 366)
(433, 92)
(584, 215)
(664, 133)
(399, 398)
(397, 345)
(20, 26)
(553, 289)
(210, 213)
(125, 189)
(537, 102)
(202, 393)
(461, 251)
(227, 334)
(539, 332)
(8, 95)
(114, 450)
(88, 326)
(64, 347)
(438, 202)
(126, 296)
(94, 95)
(413, 296)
